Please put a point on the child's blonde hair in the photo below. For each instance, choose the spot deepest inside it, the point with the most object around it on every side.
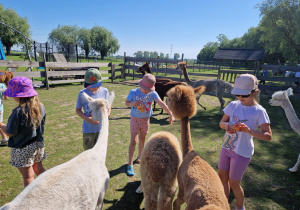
(31, 108)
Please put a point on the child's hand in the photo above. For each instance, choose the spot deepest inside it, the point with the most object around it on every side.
(137, 103)
(90, 120)
(241, 127)
(171, 119)
(229, 129)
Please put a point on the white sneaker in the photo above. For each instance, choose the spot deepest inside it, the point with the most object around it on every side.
(4, 142)
(139, 189)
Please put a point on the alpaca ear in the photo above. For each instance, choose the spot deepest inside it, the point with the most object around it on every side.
(111, 97)
(86, 97)
(199, 90)
(178, 93)
(289, 92)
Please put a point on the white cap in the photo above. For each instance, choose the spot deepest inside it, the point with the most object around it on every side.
(244, 84)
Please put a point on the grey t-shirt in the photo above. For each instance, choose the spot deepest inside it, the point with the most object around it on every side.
(23, 133)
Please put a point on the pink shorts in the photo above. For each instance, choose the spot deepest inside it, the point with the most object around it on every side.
(234, 163)
(139, 125)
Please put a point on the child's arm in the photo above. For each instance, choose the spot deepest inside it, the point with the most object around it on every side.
(166, 108)
(5, 97)
(84, 117)
(264, 133)
(3, 128)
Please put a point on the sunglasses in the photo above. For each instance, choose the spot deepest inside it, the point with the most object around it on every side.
(245, 96)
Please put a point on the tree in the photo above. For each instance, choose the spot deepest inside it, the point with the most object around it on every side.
(8, 36)
(208, 51)
(65, 37)
(146, 54)
(176, 56)
(161, 56)
(280, 25)
(84, 40)
(103, 41)
(138, 54)
(167, 56)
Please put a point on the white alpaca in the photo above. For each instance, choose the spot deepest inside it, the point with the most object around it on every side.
(281, 98)
(80, 183)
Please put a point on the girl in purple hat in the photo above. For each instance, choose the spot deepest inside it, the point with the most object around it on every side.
(140, 100)
(25, 128)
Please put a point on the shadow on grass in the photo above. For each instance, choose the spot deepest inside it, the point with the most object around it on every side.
(130, 199)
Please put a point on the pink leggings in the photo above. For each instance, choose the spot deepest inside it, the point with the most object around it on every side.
(234, 163)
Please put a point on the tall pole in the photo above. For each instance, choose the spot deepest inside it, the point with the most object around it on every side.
(171, 51)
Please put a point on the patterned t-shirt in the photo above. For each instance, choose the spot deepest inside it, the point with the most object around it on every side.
(252, 116)
(145, 109)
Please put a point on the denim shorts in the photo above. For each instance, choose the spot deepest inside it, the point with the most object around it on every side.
(234, 163)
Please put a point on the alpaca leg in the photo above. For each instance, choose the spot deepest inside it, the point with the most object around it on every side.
(179, 200)
(296, 166)
(219, 94)
(150, 196)
(198, 101)
(166, 196)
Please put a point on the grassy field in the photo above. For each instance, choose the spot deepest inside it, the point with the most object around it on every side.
(267, 182)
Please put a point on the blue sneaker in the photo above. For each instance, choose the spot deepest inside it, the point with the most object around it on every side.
(130, 171)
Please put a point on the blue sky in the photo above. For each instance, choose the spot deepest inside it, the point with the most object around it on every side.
(163, 26)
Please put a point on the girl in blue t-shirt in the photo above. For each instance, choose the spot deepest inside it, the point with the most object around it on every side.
(25, 128)
(140, 100)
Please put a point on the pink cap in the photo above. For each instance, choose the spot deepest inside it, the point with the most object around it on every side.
(244, 84)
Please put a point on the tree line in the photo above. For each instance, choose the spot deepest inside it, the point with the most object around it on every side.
(277, 32)
(147, 54)
(97, 39)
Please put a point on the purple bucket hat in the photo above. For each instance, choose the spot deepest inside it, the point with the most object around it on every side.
(20, 87)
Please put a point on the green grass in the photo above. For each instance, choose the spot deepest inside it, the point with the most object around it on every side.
(267, 182)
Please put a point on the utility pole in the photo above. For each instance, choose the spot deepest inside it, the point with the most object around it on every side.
(171, 51)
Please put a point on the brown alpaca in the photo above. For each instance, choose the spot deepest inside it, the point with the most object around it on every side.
(159, 165)
(145, 68)
(199, 184)
(5, 77)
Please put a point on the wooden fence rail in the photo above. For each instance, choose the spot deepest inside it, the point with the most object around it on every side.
(61, 72)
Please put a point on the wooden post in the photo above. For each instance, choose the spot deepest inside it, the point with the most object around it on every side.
(46, 76)
(112, 72)
(219, 70)
(124, 67)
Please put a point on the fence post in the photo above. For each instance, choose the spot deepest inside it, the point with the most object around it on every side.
(112, 72)
(46, 76)
(124, 67)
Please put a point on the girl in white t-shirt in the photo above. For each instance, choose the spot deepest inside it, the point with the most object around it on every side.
(241, 119)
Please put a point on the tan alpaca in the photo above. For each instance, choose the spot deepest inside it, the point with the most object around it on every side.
(199, 184)
(159, 165)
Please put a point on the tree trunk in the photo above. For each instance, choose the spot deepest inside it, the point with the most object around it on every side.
(8, 48)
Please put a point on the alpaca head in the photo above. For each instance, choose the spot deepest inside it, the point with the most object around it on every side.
(99, 105)
(181, 66)
(182, 102)
(144, 69)
(280, 96)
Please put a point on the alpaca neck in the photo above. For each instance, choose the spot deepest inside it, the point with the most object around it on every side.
(101, 146)
(186, 140)
(291, 115)
(186, 76)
